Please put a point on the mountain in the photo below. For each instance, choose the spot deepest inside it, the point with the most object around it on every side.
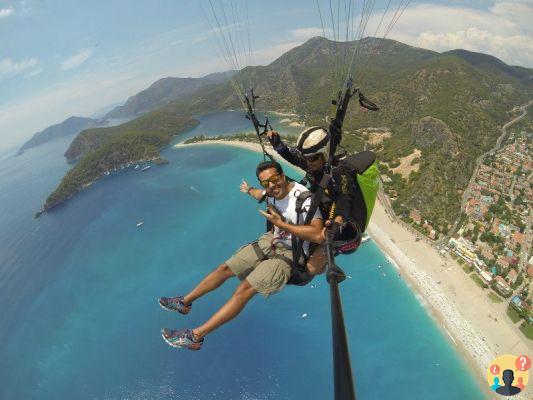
(101, 113)
(69, 127)
(161, 92)
(449, 106)
(492, 64)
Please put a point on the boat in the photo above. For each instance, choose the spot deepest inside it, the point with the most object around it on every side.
(139, 224)
(146, 168)
(137, 166)
(106, 173)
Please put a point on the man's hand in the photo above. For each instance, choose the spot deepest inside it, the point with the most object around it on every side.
(245, 187)
(272, 216)
(274, 138)
(333, 229)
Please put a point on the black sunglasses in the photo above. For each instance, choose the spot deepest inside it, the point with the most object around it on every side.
(312, 158)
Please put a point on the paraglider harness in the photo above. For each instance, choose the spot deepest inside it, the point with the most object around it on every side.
(362, 164)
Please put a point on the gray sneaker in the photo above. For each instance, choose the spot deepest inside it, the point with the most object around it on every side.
(174, 304)
(181, 338)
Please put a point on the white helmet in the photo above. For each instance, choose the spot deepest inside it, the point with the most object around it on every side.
(314, 140)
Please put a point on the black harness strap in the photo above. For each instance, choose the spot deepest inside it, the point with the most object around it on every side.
(250, 114)
(317, 197)
(299, 275)
(259, 252)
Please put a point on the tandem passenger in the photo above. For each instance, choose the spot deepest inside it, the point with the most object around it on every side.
(263, 266)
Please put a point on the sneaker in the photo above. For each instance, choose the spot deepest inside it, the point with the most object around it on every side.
(174, 304)
(181, 338)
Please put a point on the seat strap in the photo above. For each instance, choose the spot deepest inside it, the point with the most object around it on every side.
(259, 253)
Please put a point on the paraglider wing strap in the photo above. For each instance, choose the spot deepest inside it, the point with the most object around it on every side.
(316, 197)
(364, 102)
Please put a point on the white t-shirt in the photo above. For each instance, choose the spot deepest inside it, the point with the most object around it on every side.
(287, 208)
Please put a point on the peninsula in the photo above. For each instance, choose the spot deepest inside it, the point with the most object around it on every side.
(122, 145)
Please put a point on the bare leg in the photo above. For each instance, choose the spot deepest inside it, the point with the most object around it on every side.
(228, 311)
(316, 264)
(216, 278)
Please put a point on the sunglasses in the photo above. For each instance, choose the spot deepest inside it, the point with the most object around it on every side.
(275, 179)
(312, 158)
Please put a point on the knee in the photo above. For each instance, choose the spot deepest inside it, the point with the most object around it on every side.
(244, 290)
(316, 269)
(316, 264)
(224, 271)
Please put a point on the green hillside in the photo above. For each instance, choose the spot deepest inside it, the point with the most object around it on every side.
(466, 95)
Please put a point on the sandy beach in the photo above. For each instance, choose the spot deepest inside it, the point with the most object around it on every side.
(479, 328)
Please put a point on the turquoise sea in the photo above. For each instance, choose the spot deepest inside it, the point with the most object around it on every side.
(79, 317)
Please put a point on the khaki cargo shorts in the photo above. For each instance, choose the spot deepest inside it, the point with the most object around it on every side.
(265, 276)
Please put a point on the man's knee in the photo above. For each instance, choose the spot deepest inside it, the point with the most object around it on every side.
(316, 264)
(245, 290)
(316, 269)
(224, 271)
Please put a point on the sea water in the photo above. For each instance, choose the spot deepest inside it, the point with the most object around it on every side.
(79, 286)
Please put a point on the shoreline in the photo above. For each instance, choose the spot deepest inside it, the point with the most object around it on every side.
(124, 166)
(479, 329)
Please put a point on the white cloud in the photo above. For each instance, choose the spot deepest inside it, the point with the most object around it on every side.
(77, 59)
(307, 33)
(504, 30)
(515, 50)
(6, 12)
(33, 73)
(8, 66)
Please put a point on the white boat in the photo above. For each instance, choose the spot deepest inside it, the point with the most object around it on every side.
(137, 166)
(139, 224)
(106, 173)
(146, 168)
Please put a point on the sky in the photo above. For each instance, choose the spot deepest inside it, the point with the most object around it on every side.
(60, 58)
